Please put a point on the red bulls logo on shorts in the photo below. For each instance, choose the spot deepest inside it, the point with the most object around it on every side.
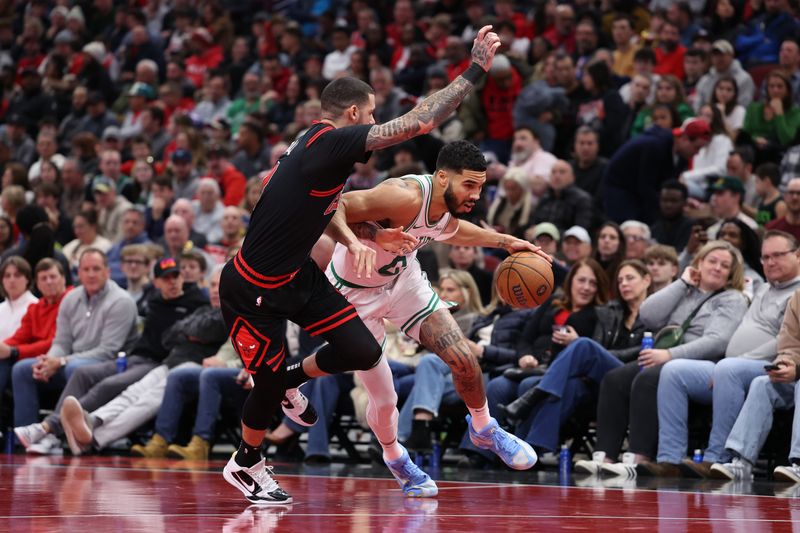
(252, 347)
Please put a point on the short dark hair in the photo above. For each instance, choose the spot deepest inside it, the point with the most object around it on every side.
(769, 171)
(157, 113)
(645, 54)
(45, 188)
(792, 240)
(460, 155)
(675, 185)
(93, 250)
(195, 255)
(47, 263)
(164, 181)
(697, 52)
(746, 153)
(89, 215)
(341, 93)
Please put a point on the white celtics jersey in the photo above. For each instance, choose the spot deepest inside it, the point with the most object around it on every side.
(388, 265)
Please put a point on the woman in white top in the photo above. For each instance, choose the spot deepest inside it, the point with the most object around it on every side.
(712, 158)
(86, 236)
(16, 276)
(725, 97)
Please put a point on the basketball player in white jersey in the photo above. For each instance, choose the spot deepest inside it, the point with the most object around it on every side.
(397, 290)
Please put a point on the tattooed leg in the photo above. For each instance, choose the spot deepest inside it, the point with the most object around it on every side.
(440, 334)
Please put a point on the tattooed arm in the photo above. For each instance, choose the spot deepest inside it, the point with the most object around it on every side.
(433, 110)
(468, 234)
(393, 200)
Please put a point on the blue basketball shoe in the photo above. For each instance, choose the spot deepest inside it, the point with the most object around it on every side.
(415, 482)
(514, 452)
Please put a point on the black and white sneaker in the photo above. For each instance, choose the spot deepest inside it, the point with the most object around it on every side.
(295, 405)
(255, 483)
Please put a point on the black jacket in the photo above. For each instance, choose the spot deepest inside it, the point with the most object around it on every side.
(196, 337)
(163, 314)
(611, 333)
(502, 348)
(536, 339)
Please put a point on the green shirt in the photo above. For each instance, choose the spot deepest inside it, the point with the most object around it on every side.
(781, 129)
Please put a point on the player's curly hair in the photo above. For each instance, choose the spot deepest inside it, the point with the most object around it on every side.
(461, 155)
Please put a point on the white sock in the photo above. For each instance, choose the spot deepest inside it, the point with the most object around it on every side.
(291, 394)
(382, 412)
(480, 416)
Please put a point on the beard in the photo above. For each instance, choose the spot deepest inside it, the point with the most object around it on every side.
(453, 205)
(520, 156)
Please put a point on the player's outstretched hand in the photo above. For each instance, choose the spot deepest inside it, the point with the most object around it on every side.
(363, 258)
(484, 47)
(519, 245)
(395, 240)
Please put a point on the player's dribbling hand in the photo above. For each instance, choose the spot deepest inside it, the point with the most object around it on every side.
(363, 258)
(519, 245)
(395, 240)
(484, 47)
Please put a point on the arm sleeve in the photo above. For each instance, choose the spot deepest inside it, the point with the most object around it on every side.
(727, 310)
(786, 126)
(657, 308)
(498, 355)
(235, 184)
(120, 319)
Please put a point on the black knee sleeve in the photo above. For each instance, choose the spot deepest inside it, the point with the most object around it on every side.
(352, 348)
(264, 399)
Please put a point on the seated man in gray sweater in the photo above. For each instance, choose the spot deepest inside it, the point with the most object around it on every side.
(97, 384)
(95, 321)
(724, 384)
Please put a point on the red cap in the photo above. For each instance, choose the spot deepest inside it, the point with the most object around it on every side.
(694, 128)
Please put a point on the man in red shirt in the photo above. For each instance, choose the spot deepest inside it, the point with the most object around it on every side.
(38, 328)
(207, 56)
(670, 51)
(231, 181)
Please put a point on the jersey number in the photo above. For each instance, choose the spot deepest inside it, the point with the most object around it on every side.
(393, 268)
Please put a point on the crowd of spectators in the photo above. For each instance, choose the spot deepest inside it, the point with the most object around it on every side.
(650, 147)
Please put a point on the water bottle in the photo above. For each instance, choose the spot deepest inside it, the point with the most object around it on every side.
(564, 462)
(122, 362)
(698, 456)
(10, 440)
(647, 344)
(435, 455)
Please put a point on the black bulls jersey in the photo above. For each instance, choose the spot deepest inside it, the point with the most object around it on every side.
(300, 197)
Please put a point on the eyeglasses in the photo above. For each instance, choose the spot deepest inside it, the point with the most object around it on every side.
(777, 255)
(634, 238)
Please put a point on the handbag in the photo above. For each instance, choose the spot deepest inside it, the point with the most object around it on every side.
(670, 336)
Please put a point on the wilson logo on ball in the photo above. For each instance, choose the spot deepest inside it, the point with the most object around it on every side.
(541, 290)
(518, 294)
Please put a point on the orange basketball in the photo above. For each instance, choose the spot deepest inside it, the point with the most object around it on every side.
(524, 279)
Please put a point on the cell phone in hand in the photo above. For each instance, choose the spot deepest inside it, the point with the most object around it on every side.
(772, 368)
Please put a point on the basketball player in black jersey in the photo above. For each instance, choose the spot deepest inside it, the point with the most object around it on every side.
(272, 279)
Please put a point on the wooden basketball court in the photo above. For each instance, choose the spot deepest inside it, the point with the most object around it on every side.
(99, 494)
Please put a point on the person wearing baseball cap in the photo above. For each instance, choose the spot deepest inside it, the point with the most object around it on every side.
(724, 64)
(727, 194)
(576, 245)
(636, 171)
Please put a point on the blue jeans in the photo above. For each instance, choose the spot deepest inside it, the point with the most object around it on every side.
(755, 419)
(681, 380)
(216, 384)
(26, 389)
(181, 389)
(5, 375)
(732, 379)
(209, 386)
(566, 384)
(433, 385)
